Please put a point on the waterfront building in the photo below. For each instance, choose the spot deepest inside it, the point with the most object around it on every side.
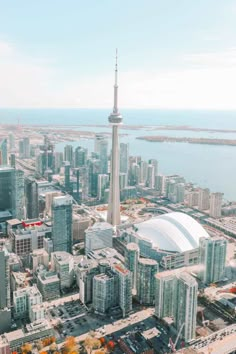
(204, 199)
(216, 204)
(115, 119)
(192, 199)
(98, 236)
(3, 153)
(62, 234)
(63, 264)
(58, 156)
(124, 158)
(131, 261)
(134, 174)
(147, 268)
(212, 259)
(143, 172)
(154, 163)
(150, 176)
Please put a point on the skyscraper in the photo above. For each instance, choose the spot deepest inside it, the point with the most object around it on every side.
(62, 234)
(3, 152)
(131, 261)
(147, 268)
(31, 196)
(12, 191)
(101, 148)
(212, 258)
(186, 305)
(80, 157)
(115, 118)
(68, 154)
(5, 301)
(204, 199)
(124, 158)
(176, 297)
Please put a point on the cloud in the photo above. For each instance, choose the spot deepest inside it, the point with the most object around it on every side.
(206, 82)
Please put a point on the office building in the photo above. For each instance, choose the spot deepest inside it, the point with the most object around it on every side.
(80, 157)
(98, 236)
(12, 192)
(131, 261)
(49, 199)
(68, 154)
(5, 312)
(101, 148)
(62, 263)
(31, 197)
(39, 257)
(80, 224)
(62, 233)
(3, 153)
(93, 172)
(123, 180)
(124, 158)
(103, 183)
(216, 204)
(115, 119)
(212, 259)
(204, 199)
(28, 236)
(147, 269)
(186, 306)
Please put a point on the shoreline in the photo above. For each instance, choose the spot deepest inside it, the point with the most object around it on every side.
(205, 141)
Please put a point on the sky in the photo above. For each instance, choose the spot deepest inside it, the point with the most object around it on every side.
(172, 54)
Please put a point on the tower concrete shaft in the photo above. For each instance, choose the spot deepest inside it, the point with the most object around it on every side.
(115, 118)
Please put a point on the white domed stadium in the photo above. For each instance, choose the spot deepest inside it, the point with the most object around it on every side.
(172, 232)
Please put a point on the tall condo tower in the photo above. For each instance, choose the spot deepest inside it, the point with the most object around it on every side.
(115, 118)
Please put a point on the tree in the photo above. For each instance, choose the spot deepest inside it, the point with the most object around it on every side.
(26, 348)
(91, 343)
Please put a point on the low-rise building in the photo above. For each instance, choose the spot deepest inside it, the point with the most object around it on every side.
(49, 285)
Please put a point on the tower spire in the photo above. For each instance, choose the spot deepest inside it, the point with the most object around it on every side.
(115, 108)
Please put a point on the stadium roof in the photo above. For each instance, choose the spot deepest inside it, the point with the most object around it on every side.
(174, 232)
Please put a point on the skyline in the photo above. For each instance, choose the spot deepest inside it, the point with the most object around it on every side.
(57, 55)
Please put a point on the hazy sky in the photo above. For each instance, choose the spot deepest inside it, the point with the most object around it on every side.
(172, 53)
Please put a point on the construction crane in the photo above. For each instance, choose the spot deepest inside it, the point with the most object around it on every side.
(173, 345)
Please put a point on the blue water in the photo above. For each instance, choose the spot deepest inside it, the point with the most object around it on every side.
(205, 165)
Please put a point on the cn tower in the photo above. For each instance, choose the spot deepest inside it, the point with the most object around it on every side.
(115, 119)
